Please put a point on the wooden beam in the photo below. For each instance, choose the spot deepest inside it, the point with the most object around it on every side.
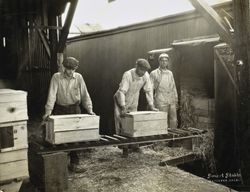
(231, 29)
(59, 20)
(66, 27)
(45, 41)
(197, 41)
(213, 18)
(48, 27)
(180, 160)
(224, 14)
(53, 43)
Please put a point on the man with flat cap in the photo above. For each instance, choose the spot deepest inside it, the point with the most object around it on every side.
(66, 92)
(165, 94)
(127, 96)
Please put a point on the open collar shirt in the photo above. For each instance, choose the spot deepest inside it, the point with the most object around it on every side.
(130, 87)
(67, 91)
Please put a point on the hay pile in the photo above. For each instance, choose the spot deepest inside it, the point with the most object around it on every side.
(187, 109)
(108, 171)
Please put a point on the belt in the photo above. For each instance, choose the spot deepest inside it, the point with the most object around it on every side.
(68, 106)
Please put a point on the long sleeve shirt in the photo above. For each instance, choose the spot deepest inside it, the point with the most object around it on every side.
(64, 91)
(129, 89)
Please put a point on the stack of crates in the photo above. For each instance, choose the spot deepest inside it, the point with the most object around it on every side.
(13, 135)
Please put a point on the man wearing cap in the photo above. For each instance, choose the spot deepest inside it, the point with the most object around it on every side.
(127, 96)
(66, 92)
(165, 94)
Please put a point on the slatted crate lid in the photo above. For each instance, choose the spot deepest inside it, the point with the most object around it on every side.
(10, 95)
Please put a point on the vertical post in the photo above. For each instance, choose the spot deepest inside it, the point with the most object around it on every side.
(242, 58)
(53, 41)
(66, 27)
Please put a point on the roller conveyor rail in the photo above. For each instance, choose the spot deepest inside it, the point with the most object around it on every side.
(42, 147)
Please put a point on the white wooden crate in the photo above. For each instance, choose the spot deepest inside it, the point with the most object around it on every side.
(144, 123)
(72, 128)
(14, 170)
(20, 135)
(13, 165)
(13, 105)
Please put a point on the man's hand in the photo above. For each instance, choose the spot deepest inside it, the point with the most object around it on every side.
(91, 112)
(46, 117)
(123, 110)
(152, 108)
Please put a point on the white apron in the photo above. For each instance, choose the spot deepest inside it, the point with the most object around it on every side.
(131, 100)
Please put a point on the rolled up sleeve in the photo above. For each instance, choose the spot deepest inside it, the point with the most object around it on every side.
(51, 95)
(123, 88)
(86, 100)
(148, 88)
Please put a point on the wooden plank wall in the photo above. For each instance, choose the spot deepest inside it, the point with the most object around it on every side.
(105, 56)
(25, 62)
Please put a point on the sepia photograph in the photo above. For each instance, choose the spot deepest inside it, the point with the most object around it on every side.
(124, 95)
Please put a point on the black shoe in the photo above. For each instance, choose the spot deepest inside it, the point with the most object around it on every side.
(136, 150)
(76, 168)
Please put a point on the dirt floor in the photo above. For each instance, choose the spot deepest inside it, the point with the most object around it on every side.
(108, 171)
(105, 170)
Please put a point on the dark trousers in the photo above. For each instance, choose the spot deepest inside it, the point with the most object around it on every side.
(66, 110)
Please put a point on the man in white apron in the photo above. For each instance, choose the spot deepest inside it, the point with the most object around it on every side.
(127, 96)
(165, 94)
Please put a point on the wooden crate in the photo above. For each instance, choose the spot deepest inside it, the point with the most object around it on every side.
(13, 105)
(19, 134)
(14, 170)
(144, 123)
(46, 173)
(72, 128)
(13, 165)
